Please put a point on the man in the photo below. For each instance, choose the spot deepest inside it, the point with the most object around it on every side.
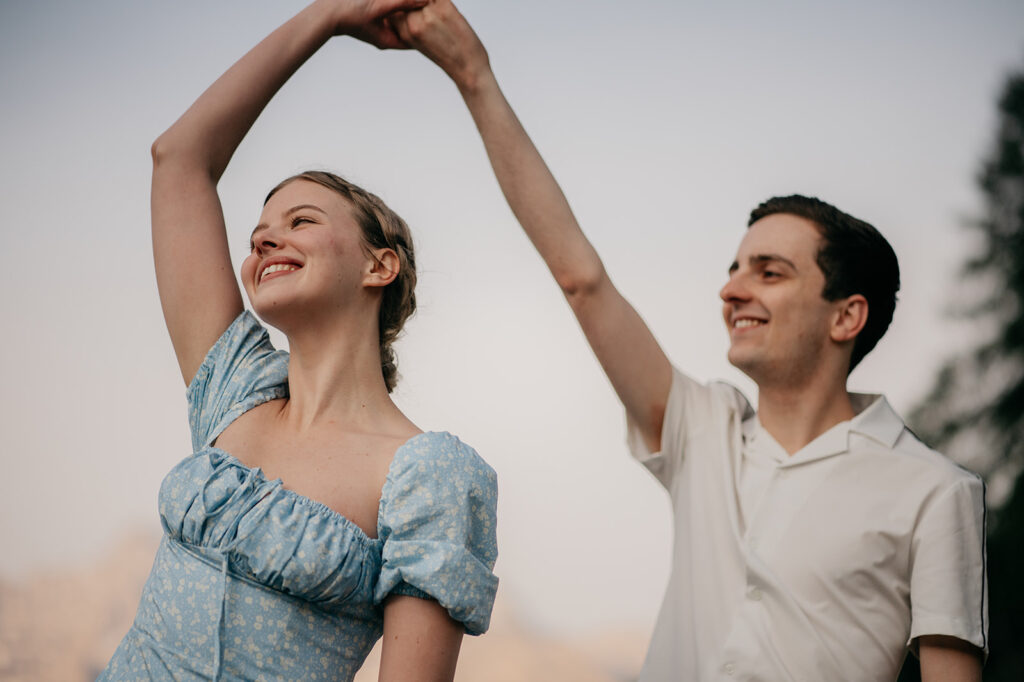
(816, 538)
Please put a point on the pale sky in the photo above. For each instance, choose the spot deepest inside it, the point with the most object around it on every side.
(665, 122)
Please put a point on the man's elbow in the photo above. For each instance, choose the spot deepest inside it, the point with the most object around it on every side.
(581, 283)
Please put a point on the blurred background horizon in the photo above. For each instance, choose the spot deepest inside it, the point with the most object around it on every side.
(664, 122)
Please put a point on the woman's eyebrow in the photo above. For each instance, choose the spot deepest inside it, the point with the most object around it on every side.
(293, 209)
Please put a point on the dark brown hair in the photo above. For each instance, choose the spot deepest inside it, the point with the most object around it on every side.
(855, 259)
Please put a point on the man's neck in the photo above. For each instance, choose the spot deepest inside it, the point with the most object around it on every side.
(794, 418)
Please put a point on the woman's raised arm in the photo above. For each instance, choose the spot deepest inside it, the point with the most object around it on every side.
(198, 291)
(631, 357)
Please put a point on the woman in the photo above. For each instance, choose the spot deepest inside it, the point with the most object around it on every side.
(313, 516)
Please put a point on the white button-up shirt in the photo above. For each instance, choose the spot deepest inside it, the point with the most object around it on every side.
(821, 565)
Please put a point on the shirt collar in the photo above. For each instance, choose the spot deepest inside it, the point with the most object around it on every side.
(875, 419)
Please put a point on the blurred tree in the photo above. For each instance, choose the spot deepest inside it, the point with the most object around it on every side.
(975, 411)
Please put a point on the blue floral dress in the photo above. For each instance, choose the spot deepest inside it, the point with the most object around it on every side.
(253, 581)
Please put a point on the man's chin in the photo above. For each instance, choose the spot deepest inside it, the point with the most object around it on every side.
(744, 363)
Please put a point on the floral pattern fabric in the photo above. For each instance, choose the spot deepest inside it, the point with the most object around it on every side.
(253, 581)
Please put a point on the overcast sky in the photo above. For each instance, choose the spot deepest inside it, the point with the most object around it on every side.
(665, 122)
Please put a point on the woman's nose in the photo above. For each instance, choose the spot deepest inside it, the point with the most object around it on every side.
(266, 241)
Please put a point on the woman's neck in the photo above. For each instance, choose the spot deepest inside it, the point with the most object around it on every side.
(335, 378)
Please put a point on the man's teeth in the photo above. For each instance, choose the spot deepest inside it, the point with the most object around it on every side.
(280, 267)
(740, 324)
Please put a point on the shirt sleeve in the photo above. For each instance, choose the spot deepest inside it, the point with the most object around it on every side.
(438, 520)
(240, 371)
(691, 407)
(948, 584)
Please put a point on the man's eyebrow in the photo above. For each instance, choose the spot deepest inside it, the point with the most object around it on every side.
(293, 209)
(763, 259)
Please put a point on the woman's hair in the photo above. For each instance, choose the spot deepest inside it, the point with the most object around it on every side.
(381, 228)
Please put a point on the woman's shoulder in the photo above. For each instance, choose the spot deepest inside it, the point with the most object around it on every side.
(241, 370)
(439, 457)
(435, 478)
(438, 523)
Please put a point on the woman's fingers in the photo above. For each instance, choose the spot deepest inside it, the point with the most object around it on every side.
(364, 19)
(380, 33)
(387, 7)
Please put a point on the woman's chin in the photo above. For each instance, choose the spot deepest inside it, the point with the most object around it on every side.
(278, 311)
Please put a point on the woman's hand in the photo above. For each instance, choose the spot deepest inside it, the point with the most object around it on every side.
(368, 20)
(441, 33)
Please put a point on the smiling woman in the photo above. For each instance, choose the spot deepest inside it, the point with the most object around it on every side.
(383, 236)
(313, 517)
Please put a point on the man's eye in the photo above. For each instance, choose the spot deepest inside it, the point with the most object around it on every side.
(770, 273)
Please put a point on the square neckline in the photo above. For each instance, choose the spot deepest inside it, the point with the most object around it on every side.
(305, 500)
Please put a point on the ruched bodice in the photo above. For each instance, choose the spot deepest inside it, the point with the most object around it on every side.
(255, 581)
(215, 505)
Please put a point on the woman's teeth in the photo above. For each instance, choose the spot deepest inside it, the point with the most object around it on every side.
(280, 267)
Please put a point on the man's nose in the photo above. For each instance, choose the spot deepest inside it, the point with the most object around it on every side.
(735, 289)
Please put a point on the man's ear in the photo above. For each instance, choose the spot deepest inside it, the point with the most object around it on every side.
(382, 268)
(850, 317)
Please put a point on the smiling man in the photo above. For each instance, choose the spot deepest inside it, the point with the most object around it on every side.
(815, 538)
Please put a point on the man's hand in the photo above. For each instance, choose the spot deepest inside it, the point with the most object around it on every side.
(444, 36)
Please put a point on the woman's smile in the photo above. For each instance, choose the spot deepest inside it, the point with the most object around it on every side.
(276, 267)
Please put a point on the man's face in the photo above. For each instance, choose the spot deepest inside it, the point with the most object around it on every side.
(779, 324)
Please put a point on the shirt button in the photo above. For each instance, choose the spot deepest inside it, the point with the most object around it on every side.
(729, 668)
(755, 594)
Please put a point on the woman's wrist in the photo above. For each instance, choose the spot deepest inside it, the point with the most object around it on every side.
(326, 16)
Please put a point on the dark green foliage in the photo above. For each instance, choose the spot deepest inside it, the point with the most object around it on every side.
(975, 411)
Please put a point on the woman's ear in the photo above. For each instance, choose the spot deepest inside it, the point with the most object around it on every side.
(850, 318)
(382, 268)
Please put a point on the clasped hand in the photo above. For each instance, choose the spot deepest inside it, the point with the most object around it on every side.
(434, 27)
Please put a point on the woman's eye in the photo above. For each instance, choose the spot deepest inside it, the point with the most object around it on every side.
(298, 220)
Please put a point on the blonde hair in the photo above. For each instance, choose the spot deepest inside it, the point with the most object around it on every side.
(381, 228)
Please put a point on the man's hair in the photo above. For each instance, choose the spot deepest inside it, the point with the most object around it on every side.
(855, 259)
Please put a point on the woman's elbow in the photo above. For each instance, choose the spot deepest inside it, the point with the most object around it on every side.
(161, 150)
(170, 159)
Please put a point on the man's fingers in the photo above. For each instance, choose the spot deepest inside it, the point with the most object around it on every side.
(399, 22)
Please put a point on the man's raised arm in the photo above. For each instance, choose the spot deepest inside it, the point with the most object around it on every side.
(631, 357)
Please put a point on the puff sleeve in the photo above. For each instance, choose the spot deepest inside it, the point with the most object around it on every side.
(240, 371)
(437, 521)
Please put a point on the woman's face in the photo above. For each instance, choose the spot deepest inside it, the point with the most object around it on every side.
(306, 255)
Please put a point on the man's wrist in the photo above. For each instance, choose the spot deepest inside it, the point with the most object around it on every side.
(474, 79)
